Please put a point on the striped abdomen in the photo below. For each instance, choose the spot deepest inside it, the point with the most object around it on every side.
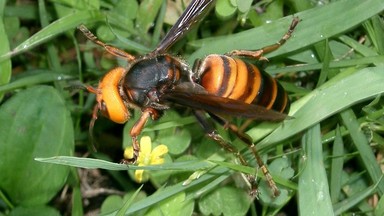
(233, 78)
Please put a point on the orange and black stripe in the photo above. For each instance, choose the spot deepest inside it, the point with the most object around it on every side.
(234, 78)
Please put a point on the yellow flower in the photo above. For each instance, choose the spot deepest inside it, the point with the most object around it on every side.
(147, 156)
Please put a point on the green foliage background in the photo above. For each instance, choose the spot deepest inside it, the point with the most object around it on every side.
(325, 159)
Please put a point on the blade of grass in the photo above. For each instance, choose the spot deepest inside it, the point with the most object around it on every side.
(27, 11)
(77, 207)
(337, 166)
(375, 29)
(326, 58)
(351, 202)
(362, 49)
(52, 30)
(380, 207)
(250, 170)
(52, 51)
(314, 196)
(5, 66)
(375, 60)
(90, 163)
(129, 202)
(6, 200)
(217, 173)
(363, 147)
(34, 78)
(305, 33)
(335, 95)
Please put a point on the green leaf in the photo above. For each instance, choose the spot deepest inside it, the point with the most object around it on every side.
(54, 29)
(305, 33)
(225, 201)
(281, 172)
(362, 145)
(114, 202)
(128, 8)
(275, 10)
(356, 197)
(244, 5)
(111, 203)
(177, 139)
(217, 176)
(34, 123)
(380, 207)
(34, 211)
(147, 14)
(34, 78)
(224, 9)
(77, 201)
(129, 202)
(337, 166)
(5, 65)
(314, 196)
(335, 95)
(90, 163)
(175, 205)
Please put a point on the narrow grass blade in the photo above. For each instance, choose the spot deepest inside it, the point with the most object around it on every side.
(354, 200)
(54, 29)
(335, 95)
(337, 166)
(314, 196)
(363, 147)
(5, 66)
(90, 163)
(304, 34)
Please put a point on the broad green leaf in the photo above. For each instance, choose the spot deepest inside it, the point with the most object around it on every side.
(224, 9)
(244, 5)
(111, 203)
(225, 201)
(114, 202)
(34, 211)
(173, 206)
(177, 139)
(34, 123)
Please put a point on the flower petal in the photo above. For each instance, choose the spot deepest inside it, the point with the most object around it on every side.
(157, 161)
(157, 153)
(128, 152)
(139, 175)
(160, 150)
(145, 145)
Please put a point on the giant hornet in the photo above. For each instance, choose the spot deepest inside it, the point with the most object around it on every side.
(220, 85)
